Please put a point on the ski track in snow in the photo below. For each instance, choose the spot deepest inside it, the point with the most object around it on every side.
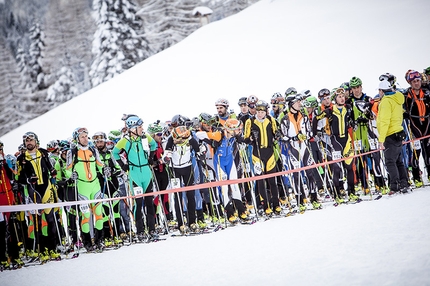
(384, 242)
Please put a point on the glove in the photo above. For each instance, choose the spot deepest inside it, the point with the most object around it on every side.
(53, 173)
(278, 135)
(362, 119)
(302, 137)
(32, 180)
(15, 188)
(255, 134)
(167, 157)
(74, 176)
(150, 161)
(123, 166)
(107, 171)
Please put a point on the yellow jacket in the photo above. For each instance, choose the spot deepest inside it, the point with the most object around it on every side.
(390, 115)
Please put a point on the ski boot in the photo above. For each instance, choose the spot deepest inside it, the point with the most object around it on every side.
(278, 211)
(54, 255)
(17, 263)
(268, 212)
(194, 228)
(418, 184)
(4, 265)
(153, 236)
(183, 229)
(353, 198)
(233, 219)
(302, 208)
(316, 205)
(44, 256)
(31, 255)
(201, 224)
(142, 237)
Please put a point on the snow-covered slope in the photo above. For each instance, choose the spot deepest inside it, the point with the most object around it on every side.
(384, 242)
(266, 48)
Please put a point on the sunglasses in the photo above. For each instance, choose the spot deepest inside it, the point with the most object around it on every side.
(414, 75)
(159, 134)
(323, 93)
(252, 106)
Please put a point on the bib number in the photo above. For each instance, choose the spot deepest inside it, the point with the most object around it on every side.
(175, 183)
(372, 143)
(138, 191)
(417, 145)
(357, 144)
(257, 168)
(84, 209)
(336, 155)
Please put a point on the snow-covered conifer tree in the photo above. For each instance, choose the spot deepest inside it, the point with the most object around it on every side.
(116, 46)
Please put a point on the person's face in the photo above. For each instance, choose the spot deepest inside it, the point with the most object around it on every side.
(340, 99)
(310, 110)
(64, 154)
(357, 91)
(297, 105)
(275, 107)
(251, 109)
(30, 144)
(83, 138)
(326, 101)
(244, 108)
(416, 84)
(221, 110)
(100, 144)
(261, 114)
(158, 136)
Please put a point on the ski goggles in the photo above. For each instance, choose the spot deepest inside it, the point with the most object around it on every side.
(413, 75)
(339, 91)
(251, 105)
(159, 134)
(323, 93)
(29, 136)
(98, 138)
(261, 108)
(82, 130)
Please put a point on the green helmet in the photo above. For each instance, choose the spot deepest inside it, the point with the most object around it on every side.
(354, 82)
(155, 127)
(310, 101)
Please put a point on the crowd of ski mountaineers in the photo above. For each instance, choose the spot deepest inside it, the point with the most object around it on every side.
(368, 147)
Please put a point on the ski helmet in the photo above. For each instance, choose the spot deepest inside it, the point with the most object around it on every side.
(52, 146)
(233, 124)
(99, 136)
(155, 128)
(181, 132)
(277, 98)
(242, 100)
(335, 92)
(30, 135)
(354, 82)
(114, 135)
(64, 145)
(207, 118)
(345, 86)
(133, 122)
(223, 102)
(179, 120)
(323, 93)
(311, 101)
(290, 91)
(252, 100)
(427, 71)
(411, 75)
(388, 77)
(262, 105)
(78, 131)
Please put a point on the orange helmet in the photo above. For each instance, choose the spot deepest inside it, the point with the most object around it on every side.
(233, 124)
(181, 132)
